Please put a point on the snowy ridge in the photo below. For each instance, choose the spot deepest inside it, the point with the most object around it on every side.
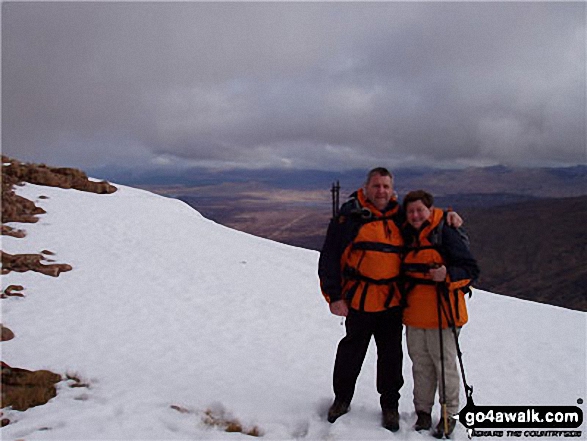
(166, 308)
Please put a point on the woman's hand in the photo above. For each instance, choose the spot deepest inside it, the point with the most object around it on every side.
(438, 274)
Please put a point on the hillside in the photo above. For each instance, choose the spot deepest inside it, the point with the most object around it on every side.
(534, 250)
(180, 328)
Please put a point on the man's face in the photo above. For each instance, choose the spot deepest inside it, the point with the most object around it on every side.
(379, 190)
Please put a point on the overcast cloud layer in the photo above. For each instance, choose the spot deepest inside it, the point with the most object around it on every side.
(304, 85)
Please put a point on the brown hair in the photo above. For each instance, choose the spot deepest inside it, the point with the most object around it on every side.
(382, 171)
(418, 195)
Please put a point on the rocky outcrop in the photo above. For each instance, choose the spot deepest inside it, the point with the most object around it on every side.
(18, 209)
(12, 291)
(62, 177)
(31, 262)
(22, 389)
(9, 231)
(5, 333)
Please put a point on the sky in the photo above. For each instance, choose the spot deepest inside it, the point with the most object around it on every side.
(302, 85)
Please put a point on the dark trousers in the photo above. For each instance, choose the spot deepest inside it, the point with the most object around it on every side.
(386, 327)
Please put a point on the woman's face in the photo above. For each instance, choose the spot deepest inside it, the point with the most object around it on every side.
(417, 213)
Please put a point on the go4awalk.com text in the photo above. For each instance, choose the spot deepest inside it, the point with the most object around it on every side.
(527, 433)
(522, 421)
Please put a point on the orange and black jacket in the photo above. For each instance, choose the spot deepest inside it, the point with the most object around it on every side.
(436, 244)
(361, 257)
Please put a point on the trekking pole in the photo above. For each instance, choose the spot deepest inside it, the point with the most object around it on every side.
(452, 324)
(443, 409)
(333, 201)
(335, 190)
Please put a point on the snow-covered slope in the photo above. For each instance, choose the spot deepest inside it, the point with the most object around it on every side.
(168, 315)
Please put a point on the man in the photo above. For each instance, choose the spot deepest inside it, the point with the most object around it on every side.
(359, 268)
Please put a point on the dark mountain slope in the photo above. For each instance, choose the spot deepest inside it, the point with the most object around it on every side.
(535, 250)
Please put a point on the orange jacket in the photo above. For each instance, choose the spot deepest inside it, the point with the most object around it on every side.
(421, 292)
(370, 263)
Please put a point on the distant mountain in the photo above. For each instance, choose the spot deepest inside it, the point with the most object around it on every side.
(539, 182)
(195, 176)
(461, 201)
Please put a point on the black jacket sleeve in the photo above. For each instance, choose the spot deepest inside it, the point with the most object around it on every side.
(460, 262)
(329, 263)
(341, 232)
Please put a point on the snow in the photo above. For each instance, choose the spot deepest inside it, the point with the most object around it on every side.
(166, 308)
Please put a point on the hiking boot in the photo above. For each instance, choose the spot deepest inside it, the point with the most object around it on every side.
(424, 421)
(390, 419)
(338, 409)
(439, 431)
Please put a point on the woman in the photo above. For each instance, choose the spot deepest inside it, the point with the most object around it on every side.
(438, 269)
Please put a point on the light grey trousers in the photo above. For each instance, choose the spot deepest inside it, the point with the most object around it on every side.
(424, 351)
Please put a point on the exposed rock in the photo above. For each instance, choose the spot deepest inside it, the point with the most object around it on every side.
(75, 381)
(31, 262)
(11, 291)
(9, 231)
(18, 209)
(53, 176)
(5, 333)
(22, 389)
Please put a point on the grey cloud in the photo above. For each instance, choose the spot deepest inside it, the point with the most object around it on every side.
(323, 85)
